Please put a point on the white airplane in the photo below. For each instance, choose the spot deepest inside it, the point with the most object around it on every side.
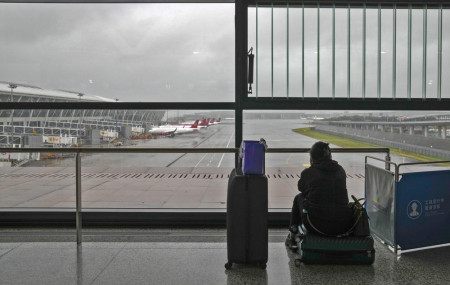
(217, 122)
(180, 129)
(163, 131)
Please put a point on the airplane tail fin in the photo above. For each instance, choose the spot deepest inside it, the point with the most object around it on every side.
(194, 125)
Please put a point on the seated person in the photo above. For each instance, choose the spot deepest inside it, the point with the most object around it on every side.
(323, 194)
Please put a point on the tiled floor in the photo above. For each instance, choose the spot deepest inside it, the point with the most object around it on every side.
(200, 262)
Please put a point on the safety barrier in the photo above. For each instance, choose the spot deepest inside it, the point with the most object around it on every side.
(408, 210)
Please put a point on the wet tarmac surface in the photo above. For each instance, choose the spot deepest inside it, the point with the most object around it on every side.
(177, 180)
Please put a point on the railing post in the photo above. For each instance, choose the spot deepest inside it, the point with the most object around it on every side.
(388, 159)
(78, 196)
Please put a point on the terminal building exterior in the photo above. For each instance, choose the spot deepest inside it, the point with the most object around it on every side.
(66, 127)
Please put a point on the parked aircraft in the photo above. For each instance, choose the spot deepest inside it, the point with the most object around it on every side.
(171, 130)
(203, 124)
(163, 131)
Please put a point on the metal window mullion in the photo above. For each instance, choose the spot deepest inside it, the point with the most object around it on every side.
(318, 50)
(394, 52)
(257, 51)
(439, 87)
(287, 50)
(271, 49)
(348, 51)
(424, 67)
(334, 50)
(409, 51)
(303, 50)
(379, 54)
(78, 218)
(364, 54)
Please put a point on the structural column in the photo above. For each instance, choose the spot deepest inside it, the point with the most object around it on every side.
(444, 132)
(411, 130)
(241, 48)
(425, 131)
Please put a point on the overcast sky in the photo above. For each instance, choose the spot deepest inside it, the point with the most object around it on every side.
(185, 52)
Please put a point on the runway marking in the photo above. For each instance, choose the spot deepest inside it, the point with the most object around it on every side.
(168, 165)
(200, 160)
(223, 154)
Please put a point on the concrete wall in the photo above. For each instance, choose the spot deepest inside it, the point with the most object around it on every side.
(419, 144)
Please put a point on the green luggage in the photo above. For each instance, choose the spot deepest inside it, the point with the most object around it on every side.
(317, 249)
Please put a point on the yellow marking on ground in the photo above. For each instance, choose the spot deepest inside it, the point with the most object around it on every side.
(289, 158)
(306, 165)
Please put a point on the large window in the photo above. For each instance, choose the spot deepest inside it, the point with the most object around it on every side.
(133, 52)
(349, 51)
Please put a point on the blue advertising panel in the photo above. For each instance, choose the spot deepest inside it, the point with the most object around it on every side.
(423, 209)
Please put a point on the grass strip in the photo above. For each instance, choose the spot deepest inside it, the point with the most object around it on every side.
(345, 142)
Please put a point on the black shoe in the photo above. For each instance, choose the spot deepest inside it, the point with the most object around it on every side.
(291, 241)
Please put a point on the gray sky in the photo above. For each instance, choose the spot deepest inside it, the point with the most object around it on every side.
(185, 52)
(147, 52)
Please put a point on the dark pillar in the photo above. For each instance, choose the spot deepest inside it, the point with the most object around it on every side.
(241, 16)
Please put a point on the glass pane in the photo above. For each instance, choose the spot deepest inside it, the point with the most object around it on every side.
(386, 53)
(311, 52)
(120, 180)
(417, 54)
(341, 56)
(371, 52)
(295, 51)
(445, 53)
(326, 52)
(252, 44)
(432, 53)
(344, 129)
(265, 52)
(134, 52)
(356, 34)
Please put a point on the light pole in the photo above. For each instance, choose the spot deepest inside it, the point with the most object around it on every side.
(81, 117)
(117, 100)
(12, 86)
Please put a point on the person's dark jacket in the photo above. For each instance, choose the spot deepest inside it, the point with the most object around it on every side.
(326, 199)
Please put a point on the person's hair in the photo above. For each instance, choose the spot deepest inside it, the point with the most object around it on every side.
(320, 150)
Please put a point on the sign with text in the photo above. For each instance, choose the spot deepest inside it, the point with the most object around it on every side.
(423, 209)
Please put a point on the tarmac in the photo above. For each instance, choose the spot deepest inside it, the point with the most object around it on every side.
(195, 181)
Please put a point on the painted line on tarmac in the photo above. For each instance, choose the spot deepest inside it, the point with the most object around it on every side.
(223, 155)
(178, 158)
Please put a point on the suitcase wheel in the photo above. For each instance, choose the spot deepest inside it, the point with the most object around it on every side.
(297, 262)
(228, 265)
(262, 265)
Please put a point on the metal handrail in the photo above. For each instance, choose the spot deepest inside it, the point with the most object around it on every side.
(184, 150)
(79, 150)
(379, 159)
